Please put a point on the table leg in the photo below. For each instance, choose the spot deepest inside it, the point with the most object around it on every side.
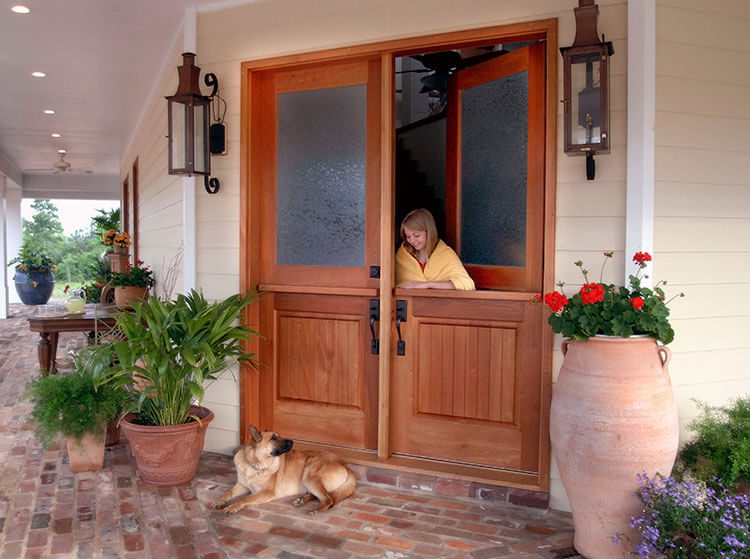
(43, 351)
(53, 337)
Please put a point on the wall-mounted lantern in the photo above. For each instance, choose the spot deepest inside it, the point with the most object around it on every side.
(586, 88)
(188, 124)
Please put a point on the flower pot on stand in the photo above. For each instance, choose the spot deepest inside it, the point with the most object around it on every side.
(34, 288)
(613, 416)
(126, 295)
(118, 261)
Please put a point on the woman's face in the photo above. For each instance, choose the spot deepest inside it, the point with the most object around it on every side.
(417, 239)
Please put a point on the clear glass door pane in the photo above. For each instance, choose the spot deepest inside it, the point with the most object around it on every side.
(321, 177)
(494, 132)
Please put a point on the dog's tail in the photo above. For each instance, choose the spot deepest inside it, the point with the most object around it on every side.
(347, 488)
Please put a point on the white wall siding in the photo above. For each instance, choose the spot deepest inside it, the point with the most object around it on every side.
(702, 205)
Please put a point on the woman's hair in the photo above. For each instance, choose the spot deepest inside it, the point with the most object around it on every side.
(420, 220)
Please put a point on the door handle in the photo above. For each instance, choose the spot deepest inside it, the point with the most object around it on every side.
(374, 315)
(400, 317)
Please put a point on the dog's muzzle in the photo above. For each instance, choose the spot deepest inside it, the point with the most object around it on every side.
(283, 446)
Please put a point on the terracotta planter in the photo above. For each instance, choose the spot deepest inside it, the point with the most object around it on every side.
(86, 455)
(167, 455)
(118, 261)
(613, 416)
(126, 295)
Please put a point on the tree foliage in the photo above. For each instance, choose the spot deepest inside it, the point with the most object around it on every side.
(77, 256)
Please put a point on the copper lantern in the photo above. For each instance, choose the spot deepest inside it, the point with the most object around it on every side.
(586, 88)
(188, 120)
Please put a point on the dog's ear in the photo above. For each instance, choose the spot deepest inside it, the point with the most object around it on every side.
(254, 433)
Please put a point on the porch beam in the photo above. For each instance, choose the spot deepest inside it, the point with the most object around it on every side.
(639, 216)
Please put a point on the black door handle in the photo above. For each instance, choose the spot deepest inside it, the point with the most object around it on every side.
(400, 317)
(374, 315)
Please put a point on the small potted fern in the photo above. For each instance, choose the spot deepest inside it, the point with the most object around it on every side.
(71, 405)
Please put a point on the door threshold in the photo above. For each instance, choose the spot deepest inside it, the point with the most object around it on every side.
(441, 478)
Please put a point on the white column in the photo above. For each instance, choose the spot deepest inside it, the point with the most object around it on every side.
(639, 222)
(189, 225)
(3, 251)
(13, 232)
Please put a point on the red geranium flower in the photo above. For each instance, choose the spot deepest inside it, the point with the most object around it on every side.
(592, 293)
(637, 303)
(555, 301)
(641, 257)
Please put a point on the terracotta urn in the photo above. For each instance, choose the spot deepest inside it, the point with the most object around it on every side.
(167, 455)
(613, 416)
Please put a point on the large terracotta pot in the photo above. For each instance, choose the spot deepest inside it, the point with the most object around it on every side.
(167, 455)
(86, 455)
(613, 416)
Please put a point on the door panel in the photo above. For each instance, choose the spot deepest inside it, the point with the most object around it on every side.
(468, 388)
(320, 169)
(495, 152)
(318, 153)
(319, 379)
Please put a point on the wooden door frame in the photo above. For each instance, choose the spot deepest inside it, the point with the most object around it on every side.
(251, 74)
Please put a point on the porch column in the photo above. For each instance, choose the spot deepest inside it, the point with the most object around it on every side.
(641, 75)
(189, 224)
(3, 251)
(13, 232)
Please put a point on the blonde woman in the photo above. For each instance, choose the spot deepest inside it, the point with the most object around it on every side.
(425, 262)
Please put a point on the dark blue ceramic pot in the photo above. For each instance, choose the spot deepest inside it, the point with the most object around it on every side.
(34, 288)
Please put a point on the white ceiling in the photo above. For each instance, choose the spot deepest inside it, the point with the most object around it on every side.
(102, 58)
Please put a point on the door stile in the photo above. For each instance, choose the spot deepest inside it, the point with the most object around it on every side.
(387, 211)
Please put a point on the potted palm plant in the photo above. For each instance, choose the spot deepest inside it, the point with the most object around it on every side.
(173, 349)
(76, 407)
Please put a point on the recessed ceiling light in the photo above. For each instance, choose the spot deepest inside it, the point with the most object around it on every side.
(20, 9)
(62, 151)
(56, 135)
(49, 111)
(39, 74)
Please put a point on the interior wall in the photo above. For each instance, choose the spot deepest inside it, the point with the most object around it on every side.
(702, 200)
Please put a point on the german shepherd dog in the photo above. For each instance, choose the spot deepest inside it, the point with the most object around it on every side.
(268, 469)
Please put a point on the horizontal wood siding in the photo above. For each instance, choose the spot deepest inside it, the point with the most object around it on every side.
(702, 205)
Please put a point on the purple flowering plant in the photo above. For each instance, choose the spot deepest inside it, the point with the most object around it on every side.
(691, 520)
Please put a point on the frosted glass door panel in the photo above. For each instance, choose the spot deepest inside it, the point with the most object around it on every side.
(494, 140)
(321, 177)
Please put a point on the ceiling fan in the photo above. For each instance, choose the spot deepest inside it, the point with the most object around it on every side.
(62, 166)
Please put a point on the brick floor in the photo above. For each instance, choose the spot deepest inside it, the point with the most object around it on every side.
(46, 511)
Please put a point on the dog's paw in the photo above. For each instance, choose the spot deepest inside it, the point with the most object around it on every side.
(217, 505)
(231, 509)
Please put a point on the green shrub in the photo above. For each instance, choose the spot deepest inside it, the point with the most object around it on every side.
(70, 404)
(722, 446)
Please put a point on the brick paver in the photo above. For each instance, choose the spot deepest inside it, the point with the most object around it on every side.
(46, 511)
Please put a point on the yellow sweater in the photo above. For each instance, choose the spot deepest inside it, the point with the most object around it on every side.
(443, 265)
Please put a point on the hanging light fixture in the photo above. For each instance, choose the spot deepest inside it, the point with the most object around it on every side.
(187, 121)
(586, 88)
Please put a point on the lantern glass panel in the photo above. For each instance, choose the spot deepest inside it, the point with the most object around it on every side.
(178, 116)
(200, 133)
(586, 106)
